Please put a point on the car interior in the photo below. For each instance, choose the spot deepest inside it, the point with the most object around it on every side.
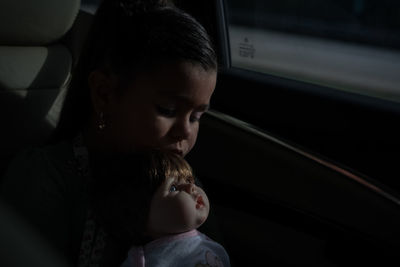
(298, 174)
(39, 45)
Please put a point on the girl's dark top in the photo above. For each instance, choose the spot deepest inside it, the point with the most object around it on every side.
(49, 187)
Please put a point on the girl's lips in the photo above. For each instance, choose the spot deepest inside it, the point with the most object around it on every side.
(177, 151)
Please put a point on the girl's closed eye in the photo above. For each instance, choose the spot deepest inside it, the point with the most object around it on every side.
(196, 116)
(166, 111)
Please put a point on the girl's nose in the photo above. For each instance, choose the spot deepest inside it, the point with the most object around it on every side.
(182, 129)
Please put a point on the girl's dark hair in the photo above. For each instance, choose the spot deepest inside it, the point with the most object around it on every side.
(124, 186)
(130, 36)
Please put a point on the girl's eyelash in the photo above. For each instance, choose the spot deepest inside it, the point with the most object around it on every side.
(169, 112)
(196, 117)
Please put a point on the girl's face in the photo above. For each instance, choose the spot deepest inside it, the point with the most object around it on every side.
(177, 207)
(160, 109)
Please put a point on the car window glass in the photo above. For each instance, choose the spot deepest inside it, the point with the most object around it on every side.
(347, 45)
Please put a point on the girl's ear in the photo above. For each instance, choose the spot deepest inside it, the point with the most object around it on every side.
(102, 89)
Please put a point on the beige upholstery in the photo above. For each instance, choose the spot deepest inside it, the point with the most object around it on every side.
(39, 22)
(35, 67)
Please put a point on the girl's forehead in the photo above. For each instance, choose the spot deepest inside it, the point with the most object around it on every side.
(192, 86)
(175, 77)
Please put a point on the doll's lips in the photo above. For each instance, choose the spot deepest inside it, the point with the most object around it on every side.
(199, 201)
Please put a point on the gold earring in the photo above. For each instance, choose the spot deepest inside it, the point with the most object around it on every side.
(102, 124)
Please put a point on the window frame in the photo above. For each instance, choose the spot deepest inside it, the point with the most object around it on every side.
(365, 113)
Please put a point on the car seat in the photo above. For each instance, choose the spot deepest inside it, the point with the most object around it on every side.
(39, 43)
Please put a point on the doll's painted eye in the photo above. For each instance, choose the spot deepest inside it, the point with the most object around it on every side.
(173, 188)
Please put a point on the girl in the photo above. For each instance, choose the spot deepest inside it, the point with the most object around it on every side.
(143, 80)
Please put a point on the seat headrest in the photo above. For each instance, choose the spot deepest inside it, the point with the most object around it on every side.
(35, 22)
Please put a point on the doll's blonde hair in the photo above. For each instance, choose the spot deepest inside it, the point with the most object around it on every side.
(124, 186)
(169, 165)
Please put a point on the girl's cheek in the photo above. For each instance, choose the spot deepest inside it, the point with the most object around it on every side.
(195, 131)
(164, 124)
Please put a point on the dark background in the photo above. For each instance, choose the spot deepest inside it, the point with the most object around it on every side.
(360, 133)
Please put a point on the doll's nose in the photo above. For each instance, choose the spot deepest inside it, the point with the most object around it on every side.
(189, 188)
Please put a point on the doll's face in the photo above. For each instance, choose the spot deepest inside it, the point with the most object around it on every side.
(177, 207)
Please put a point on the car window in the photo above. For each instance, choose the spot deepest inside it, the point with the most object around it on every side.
(352, 46)
(90, 6)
